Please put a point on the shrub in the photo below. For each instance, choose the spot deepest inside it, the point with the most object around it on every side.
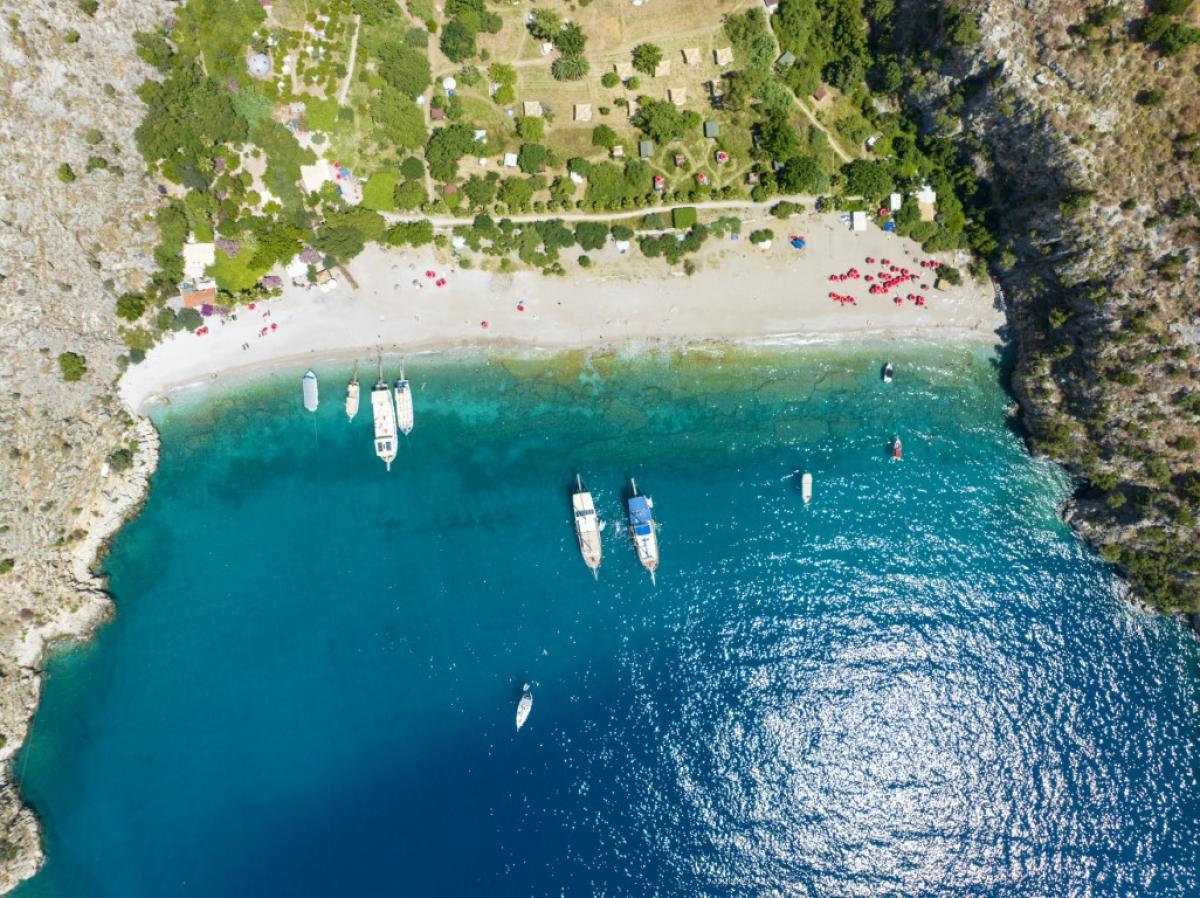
(412, 167)
(120, 460)
(72, 365)
(604, 136)
(784, 209)
(950, 274)
(93, 136)
(66, 174)
(71, 37)
(610, 79)
(89, 7)
(762, 235)
(569, 68)
(531, 128)
(6, 565)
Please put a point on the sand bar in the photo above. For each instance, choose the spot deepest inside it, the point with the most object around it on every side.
(740, 293)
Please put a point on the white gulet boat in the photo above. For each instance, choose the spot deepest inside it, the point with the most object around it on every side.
(587, 527)
(524, 706)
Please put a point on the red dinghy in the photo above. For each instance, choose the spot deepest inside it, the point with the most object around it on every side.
(897, 449)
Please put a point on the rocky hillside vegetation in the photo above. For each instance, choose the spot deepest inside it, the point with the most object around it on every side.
(1083, 123)
(72, 236)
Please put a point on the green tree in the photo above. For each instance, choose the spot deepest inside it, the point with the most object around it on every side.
(131, 306)
(445, 147)
(412, 167)
(802, 174)
(532, 157)
(545, 24)
(480, 192)
(570, 40)
(72, 365)
(410, 195)
(868, 178)
(591, 235)
(403, 68)
(516, 193)
(664, 121)
(458, 42)
(646, 58)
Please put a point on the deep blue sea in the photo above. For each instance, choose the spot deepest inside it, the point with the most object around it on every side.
(919, 685)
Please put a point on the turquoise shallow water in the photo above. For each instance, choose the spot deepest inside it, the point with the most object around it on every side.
(919, 685)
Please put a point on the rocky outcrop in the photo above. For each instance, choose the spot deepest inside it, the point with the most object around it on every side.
(69, 244)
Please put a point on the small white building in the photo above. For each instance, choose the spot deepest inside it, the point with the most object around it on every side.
(858, 221)
(480, 135)
(510, 160)
(622, 246)
(576, 177)
(894, 202)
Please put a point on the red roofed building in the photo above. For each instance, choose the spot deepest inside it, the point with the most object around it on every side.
(194, 299)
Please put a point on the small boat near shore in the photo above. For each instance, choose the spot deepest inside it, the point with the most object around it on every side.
(897, 449)
(887, 373)
(385, 420)
(587, 526)
(524, 706)
(309, 384)
(352, 396)
(642, 530)
(404, 405)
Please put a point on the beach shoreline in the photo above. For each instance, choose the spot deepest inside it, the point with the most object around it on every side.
(740, 295)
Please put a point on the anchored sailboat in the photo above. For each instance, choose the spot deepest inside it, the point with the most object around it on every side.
(642, 529)
(385, 420)
(404, 405)
(352, 396)
(587, 527)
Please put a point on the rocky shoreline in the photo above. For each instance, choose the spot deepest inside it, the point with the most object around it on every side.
(68, 247)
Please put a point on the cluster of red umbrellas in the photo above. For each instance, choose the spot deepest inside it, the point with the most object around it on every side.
(852, 275)
(267, 330)
(440, 282)
(201, 331)
(887, 277)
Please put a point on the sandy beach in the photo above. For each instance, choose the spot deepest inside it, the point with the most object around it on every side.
(740, 293)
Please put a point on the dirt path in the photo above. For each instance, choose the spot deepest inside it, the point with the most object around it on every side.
(344, 92)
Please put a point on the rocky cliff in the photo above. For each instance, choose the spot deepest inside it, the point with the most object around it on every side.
(1089, 140)
(70, 241)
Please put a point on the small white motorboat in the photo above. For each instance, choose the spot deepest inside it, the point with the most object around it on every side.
(352, 396)
(310, 390)
(806, 487)
(887, 373)
(524, 706)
